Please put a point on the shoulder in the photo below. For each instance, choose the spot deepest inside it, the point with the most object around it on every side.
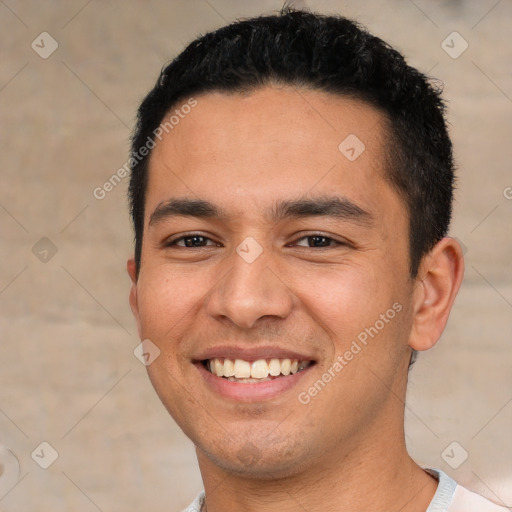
(197, 505)
(451, 497)
(465, 500)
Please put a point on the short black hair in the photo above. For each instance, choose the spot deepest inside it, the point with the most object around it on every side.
(325, 53)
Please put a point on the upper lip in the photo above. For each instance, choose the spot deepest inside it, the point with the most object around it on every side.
(251, 353)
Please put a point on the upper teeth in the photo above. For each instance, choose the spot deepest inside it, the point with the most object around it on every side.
(259, 369)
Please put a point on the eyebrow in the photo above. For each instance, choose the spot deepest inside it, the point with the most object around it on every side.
(332, 206)
(337, 207)
(186, 208)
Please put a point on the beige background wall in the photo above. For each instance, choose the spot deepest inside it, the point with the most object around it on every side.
(67, 371)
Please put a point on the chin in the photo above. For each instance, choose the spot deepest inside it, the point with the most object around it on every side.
(265, 460)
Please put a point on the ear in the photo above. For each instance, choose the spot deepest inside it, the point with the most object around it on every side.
(438, 281)
(131, 267)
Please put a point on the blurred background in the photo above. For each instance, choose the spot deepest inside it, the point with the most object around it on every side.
(80, 426)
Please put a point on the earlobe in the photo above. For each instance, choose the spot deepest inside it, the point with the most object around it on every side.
(131, 267)
(438, 282)
(132, 272)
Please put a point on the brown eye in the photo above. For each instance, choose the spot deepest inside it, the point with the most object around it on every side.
(195, 241)
(317, 241)
(192, 241)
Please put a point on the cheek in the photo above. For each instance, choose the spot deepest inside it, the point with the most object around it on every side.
(347, 300)
(166, 299)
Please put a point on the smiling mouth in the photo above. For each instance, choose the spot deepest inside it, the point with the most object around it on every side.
(261, 370)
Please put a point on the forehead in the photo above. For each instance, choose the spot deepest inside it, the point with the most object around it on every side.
(272, 143)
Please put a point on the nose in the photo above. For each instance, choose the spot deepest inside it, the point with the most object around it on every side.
(250, 292)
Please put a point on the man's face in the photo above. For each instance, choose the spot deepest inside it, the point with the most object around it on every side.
(298, 251)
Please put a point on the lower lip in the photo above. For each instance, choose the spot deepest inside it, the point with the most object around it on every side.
(251, 391)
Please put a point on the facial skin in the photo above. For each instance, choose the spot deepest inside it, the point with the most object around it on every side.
(248, 156)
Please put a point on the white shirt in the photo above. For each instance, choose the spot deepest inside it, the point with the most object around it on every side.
(449, 497)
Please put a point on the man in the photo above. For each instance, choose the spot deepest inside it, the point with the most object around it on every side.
(291, 191)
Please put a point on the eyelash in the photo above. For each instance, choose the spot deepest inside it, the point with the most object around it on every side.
(337, 243)
(172, 243)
